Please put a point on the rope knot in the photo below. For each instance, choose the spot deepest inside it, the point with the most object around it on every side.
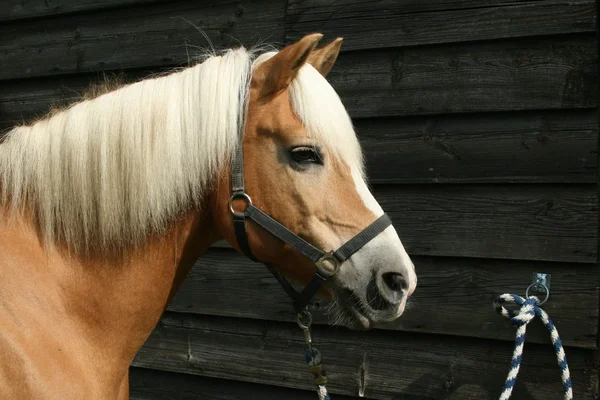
(528, 308)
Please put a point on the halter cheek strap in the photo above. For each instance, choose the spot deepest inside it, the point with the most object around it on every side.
(327, 263)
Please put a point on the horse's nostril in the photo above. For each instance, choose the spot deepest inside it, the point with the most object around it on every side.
(395, 281)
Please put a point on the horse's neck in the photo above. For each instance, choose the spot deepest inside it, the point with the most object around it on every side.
(98, 313)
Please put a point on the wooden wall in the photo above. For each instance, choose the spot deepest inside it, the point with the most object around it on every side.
(479, 122)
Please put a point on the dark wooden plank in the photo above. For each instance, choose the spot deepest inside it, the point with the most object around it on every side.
(149, 384)
(525, 147)
(11, 10)
(454, 296)
(557, 73)
(389, 23)
(24, 101)
(376, 364)
(141, 36)
(538, 146)
(543, 222)
(535, 73)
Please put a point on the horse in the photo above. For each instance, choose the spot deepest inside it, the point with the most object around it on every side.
(107, 203)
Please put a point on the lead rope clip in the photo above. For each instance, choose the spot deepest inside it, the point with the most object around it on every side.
(313, 355)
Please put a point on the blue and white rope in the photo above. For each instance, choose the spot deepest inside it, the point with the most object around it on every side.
(313, 359)
(323, 393)
(529, 308)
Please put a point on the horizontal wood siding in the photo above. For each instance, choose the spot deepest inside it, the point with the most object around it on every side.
(454, 296)
(151, 384)
(551, 223)
(540, 146)
(25, 9)
(160, 35)
(377, 364)
(376, 24)
(526, 74)
(548, 73)
(535, 146)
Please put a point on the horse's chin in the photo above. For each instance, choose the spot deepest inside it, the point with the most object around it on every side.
(358, 315)
(358, 322)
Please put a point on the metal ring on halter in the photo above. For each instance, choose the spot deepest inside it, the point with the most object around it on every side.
(307, 322)
(538, 284)
(239, 195)
(332, 260)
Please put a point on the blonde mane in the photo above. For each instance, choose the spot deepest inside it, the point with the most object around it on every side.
(107, 172)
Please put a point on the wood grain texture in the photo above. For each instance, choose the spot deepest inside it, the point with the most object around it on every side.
(546, 222)
(142, 36)
(149, 384)
(377, 364)
(12, 10)
(534, 146)
(454, 296)
(510, 222)
(540, 73)
(535, 73)
(25, 100)
(376, 24)
(523, 147)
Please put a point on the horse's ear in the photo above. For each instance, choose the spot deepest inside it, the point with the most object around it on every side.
(324, 58)
(281, 69)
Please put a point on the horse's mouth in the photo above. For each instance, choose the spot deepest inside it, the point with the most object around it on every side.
(361, 316)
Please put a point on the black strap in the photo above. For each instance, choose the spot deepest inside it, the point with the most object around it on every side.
(287, 286)
(276, 229)
(301, 299)
(362, 238)
(237, 169)
(239, 226)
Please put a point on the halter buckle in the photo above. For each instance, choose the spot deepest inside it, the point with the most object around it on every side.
(239, 195)
(326, 263)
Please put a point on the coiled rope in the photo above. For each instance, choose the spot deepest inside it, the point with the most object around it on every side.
(529, 308)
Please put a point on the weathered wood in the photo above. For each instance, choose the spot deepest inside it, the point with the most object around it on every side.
(140, 36)
(552, 223)
(555, 147)
(377, 364)
(501, 76)
(536, 73)
(454, 296)
(149, 384)
(544, 223)
(388, 23)
(525, 147)
(12, 10)
(24, 101)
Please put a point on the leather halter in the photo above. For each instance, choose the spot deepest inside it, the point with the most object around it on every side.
(327, 263)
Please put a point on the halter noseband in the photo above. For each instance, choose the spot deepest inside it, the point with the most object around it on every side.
(327, 263)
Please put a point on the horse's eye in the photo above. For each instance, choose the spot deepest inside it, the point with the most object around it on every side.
(306, 155)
